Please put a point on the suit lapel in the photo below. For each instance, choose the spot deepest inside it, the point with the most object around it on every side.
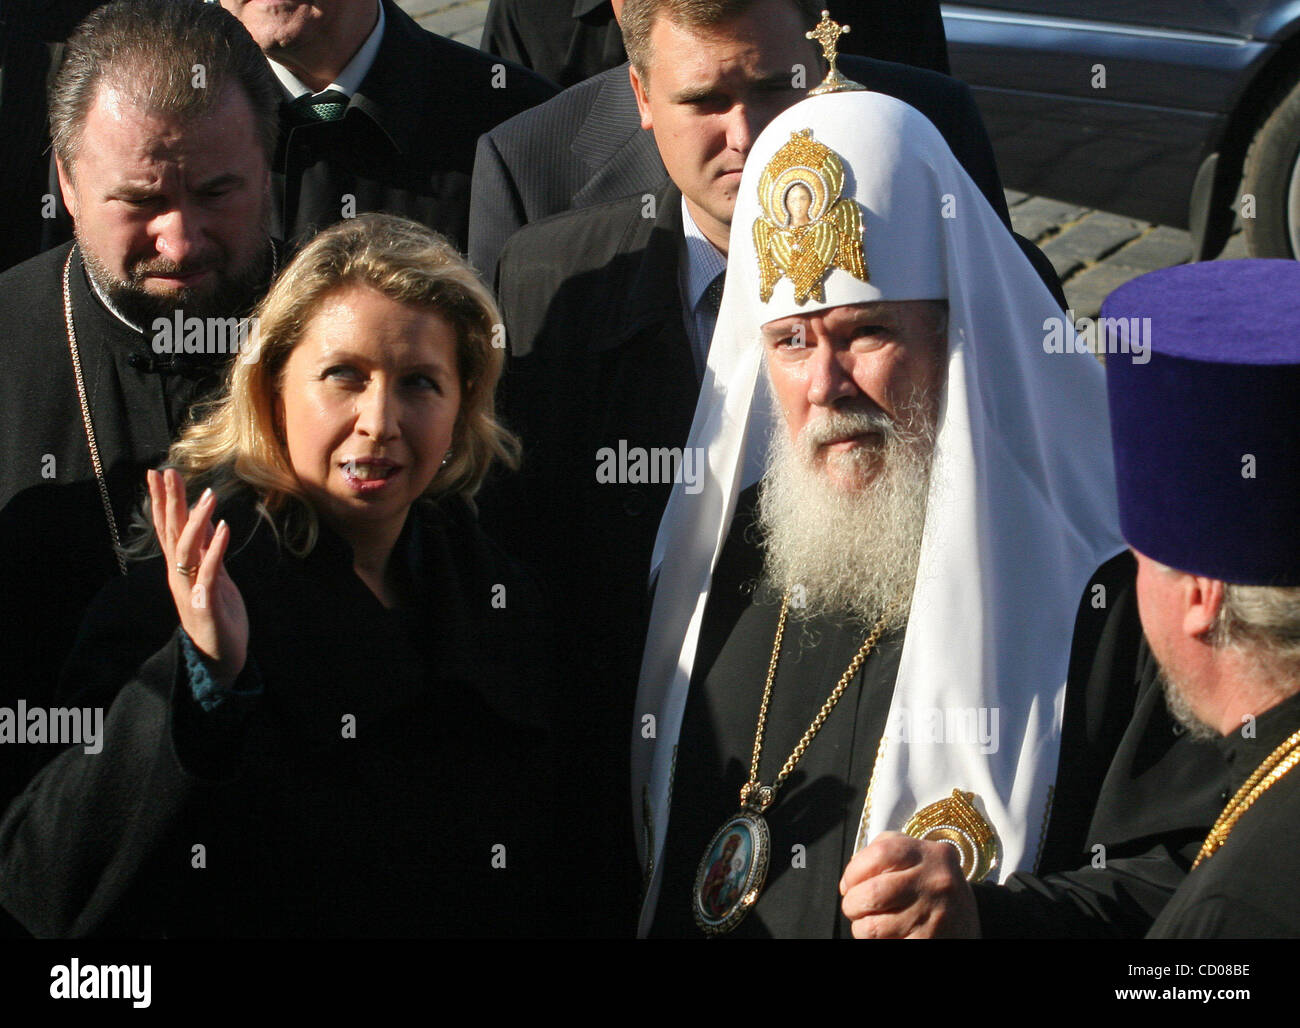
(651, 384)
(388, 86)
(611, 152)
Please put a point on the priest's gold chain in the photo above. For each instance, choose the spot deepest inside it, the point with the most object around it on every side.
(85, 416)
(1269, 773)
(765, 794)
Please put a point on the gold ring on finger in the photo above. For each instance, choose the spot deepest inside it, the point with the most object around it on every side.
(188, 572)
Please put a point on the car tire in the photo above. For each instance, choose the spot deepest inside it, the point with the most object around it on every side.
(1272, 176)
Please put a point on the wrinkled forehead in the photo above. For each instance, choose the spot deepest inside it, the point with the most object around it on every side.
(927, 314)
(124, 127)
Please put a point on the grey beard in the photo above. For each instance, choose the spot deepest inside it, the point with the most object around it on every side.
(848, 552)
(1181, 710)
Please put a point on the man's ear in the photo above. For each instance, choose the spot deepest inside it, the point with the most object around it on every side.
(642, 97)
(66, 188)
(1202, 601)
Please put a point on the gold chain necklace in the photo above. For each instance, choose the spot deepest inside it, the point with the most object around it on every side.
(1269, 773)
(85, 417)
(734, 867)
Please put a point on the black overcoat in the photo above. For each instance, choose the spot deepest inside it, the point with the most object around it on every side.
(599, 361)
(390, 778)
(406, 143)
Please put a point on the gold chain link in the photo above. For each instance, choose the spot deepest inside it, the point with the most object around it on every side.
(796, 755)
(1264, 777)
(85, 417)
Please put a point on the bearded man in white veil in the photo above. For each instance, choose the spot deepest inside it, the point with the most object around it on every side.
(922, 619)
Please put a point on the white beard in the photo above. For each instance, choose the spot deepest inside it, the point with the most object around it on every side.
(848, 551)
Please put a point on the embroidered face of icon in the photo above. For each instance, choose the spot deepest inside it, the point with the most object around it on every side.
(806, 228)
(798, 199)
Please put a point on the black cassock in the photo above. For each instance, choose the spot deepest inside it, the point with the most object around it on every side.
(814, 821)
(55, 547)
(1250, 887)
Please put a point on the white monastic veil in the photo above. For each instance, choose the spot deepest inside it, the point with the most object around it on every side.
(1021, 508)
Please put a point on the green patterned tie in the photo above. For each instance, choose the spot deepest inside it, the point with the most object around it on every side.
(328, 106)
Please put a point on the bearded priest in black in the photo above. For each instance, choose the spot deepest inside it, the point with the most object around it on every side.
(921, 620)
(163, 118)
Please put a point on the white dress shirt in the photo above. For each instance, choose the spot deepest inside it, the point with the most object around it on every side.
(350, 78)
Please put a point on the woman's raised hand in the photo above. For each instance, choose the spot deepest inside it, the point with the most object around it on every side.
(210, 606)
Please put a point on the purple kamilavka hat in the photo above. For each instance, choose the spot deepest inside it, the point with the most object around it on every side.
(1203, 375)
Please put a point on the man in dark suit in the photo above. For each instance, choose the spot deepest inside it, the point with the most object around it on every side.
(609, 311)
(569, 44)
(380, 114)
(565, 43)
(586, 146)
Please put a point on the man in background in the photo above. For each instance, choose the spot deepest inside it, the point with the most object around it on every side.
(379, 114)
(587, 146)
(570, 44)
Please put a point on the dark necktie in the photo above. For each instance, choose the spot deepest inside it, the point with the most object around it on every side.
(329, 106)
(711, 299)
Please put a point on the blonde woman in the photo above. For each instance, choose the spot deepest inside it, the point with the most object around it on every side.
(327, 699)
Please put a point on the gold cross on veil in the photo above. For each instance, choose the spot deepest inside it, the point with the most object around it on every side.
(828, 33)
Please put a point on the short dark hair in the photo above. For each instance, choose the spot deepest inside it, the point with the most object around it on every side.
(639, 18)
(157, 49)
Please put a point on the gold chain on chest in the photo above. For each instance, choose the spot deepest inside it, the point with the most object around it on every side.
(95, 462)
(761, 796)
(1274, 768)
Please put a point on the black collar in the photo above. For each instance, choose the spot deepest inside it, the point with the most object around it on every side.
(1245, 752)
(386, 91)
(87, 304)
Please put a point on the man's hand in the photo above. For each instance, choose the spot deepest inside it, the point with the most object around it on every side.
(903, 888)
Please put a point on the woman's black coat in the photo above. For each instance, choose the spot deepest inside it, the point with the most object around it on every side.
(391, 777)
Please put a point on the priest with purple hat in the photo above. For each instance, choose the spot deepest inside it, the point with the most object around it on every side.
(1207, 459)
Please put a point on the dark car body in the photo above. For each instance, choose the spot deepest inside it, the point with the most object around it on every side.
(1146, 109)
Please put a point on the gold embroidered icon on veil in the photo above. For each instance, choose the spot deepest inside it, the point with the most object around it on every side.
(806, 227)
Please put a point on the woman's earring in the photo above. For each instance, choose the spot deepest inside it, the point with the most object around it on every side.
(445, 458)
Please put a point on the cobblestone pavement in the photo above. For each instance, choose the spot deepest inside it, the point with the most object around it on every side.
(461, 20)
(1093, 251)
